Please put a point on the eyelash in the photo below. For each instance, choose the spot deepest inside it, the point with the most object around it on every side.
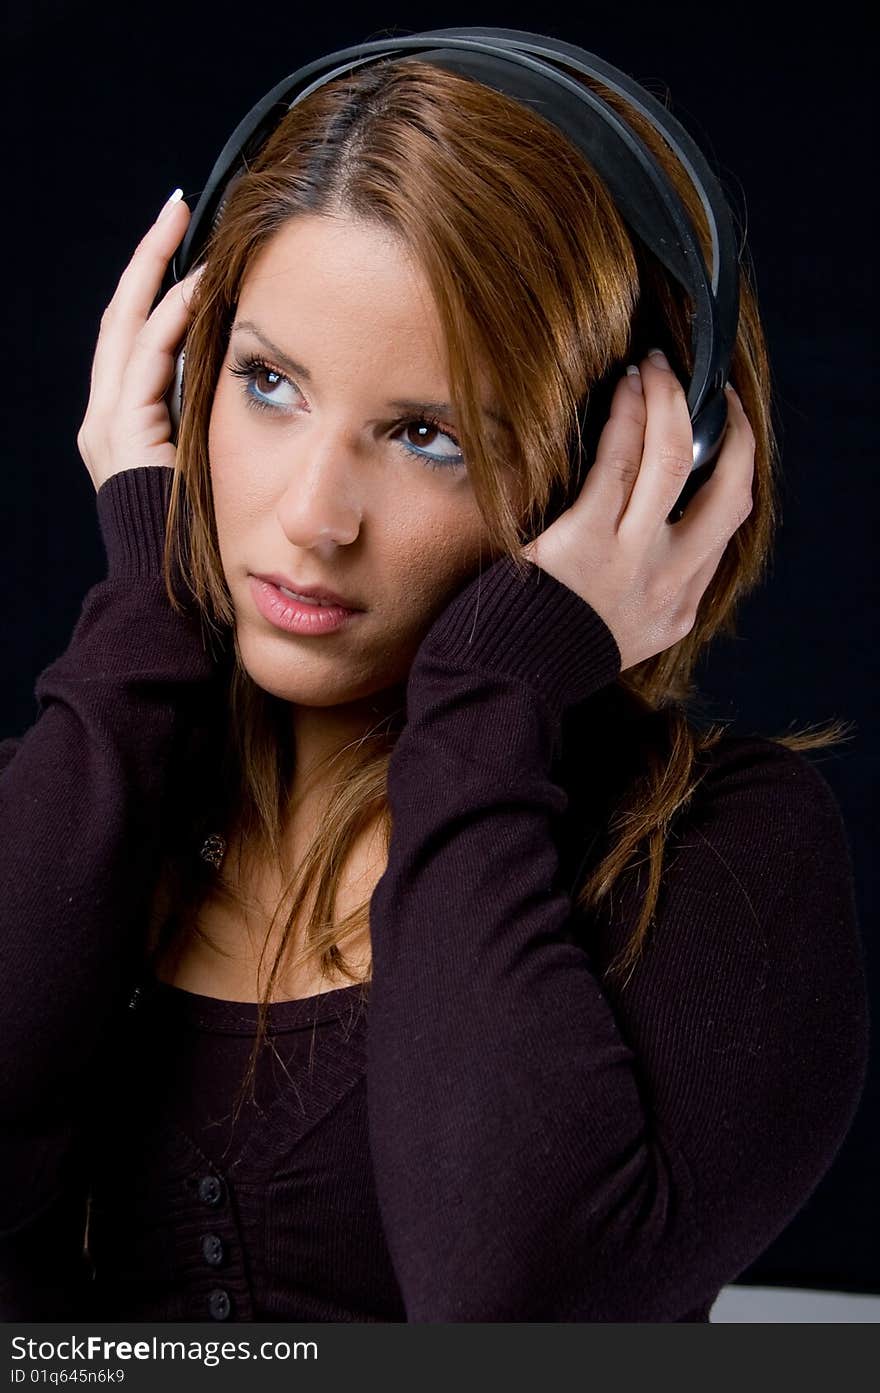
(248, 369)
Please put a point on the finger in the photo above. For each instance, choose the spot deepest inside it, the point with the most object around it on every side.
(158, 340)
(150, 365)
(140, 281)
(134, 294)
(668, 455)
(724, 501)
(610, 479)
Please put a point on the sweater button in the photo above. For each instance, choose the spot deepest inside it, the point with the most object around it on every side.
(210, 1189)
(219, 1304)
(212, 1248)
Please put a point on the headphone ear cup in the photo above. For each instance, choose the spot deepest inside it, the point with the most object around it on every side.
(174, 395)
(710, 427)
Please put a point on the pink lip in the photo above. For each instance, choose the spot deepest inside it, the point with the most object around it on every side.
(315, 592)
(296, 617)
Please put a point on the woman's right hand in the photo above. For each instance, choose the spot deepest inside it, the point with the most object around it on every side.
(126, 424)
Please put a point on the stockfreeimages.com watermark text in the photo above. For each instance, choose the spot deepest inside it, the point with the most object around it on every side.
(96, 1348)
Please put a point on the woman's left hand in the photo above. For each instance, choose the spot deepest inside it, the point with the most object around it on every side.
(643, 576)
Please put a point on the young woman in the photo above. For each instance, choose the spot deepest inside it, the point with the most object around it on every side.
(406, 950)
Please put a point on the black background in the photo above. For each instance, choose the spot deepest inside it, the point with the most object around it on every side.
(109, 108)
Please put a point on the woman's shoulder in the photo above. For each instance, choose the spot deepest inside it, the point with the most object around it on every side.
(749, 1009)
(757, 952)
(771, 790)
(762, 844)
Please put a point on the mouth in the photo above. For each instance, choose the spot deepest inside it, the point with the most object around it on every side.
(317, 595)
(305, 618)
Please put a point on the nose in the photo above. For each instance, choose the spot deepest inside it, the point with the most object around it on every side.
(321, 509)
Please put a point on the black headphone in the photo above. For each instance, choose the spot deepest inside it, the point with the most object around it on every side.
(528, 67)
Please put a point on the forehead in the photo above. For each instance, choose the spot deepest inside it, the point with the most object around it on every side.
(338, 264)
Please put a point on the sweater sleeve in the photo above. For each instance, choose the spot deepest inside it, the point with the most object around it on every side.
(81, 795)
(547, 1148)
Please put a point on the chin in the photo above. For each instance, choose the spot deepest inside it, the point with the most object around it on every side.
(307, 672)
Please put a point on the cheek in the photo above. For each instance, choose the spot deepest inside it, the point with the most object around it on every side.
(220, 449)
(430, 555)
(236, 489)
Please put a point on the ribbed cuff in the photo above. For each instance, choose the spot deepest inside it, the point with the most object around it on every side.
(132, 514)
(535, 628)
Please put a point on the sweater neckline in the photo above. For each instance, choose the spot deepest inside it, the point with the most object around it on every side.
(228, 1017)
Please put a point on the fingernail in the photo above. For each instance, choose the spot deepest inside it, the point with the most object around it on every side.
(166, 207)
(659, 357)
(634, 377)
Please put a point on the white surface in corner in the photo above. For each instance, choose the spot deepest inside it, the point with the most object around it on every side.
(784, 1305)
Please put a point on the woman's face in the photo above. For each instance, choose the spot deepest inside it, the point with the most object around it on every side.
(333, 482)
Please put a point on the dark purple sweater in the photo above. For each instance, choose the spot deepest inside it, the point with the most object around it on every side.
(494, 1132)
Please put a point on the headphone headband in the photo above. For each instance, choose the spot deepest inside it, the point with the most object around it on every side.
(523, 65)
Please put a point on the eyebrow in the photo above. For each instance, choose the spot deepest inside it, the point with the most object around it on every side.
(402, 404)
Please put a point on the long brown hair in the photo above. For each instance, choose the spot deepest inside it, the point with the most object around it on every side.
(538, 284)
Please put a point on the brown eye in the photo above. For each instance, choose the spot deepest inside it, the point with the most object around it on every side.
(426, 429)
(260, 384)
